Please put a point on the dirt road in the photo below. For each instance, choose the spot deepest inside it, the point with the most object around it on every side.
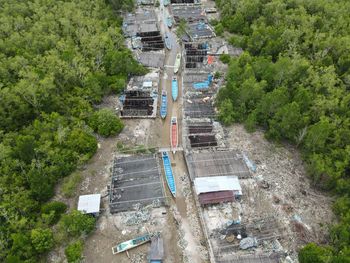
(191, 252)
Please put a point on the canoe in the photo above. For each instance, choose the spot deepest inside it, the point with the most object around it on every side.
(169, 173)
(174, 89)
(167, 41)
(164, 105)
(124, 246)
(169, 21)
(174, 134)
(177, 63)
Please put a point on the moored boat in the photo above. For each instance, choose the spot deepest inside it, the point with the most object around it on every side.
(164, 105)
(124, 246)
(169, 21)
(177, 63)
(167, 41)
(169, 176)
(174, 134)
(174, 88)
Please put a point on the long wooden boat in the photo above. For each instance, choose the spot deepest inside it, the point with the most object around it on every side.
(164, 105)
(169, 173)
(124, 246)
(174, 88)
(177, 63)
(167, 41)
(174, 134)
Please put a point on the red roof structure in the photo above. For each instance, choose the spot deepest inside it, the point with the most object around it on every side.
(216, 197)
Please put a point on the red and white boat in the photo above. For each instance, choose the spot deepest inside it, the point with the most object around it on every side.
(174, 134)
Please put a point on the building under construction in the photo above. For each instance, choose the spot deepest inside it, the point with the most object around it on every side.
(140, 98)
(217, 163)
(185, 1)
(189, 13)
(142, 27)
(135, 180)
(201, 135)
(195, 54)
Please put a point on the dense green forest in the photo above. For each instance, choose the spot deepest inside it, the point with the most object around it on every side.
(293, 80)
(57, 59)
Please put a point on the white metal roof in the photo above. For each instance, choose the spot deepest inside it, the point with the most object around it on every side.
(89, 203)
(147, 84)
(217, 183)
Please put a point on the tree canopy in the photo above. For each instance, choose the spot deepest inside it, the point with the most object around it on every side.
(293, 80)
(57, 59)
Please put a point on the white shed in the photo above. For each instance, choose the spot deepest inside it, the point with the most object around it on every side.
(89, 204)
(217, 184)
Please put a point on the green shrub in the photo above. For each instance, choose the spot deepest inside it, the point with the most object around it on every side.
(106, 123)
(53, 211)
(76, 223)
(225, 58)
(312, 253)
(217, 75)
(219, 29)
(74, 251)
(213, 22)
(42, 239)
(70, 184)
(82, 142)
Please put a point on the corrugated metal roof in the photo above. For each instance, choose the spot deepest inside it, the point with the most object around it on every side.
(216, 184)
(89, 203)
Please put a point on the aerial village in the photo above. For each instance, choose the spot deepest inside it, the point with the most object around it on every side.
(195, 191)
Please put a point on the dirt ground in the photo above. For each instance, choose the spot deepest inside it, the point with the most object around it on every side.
(280, 187)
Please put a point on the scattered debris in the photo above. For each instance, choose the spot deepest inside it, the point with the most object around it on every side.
(248, 242)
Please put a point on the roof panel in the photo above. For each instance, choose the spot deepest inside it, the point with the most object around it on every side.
(217, 183)
(89, 203)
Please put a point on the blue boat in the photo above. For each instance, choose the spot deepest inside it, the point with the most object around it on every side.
(167, 41)
(174, 89)
(169, 173)
(169, 21)
(164, 105)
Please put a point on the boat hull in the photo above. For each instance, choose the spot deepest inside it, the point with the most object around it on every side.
(169, 176)
(169, 22)
(164, 105)
(174, 134)
(167, 42)
(124, 246)
(174, 89)
(177, 63)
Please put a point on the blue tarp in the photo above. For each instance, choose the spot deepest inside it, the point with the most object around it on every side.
(201, 85)
(204, 84)
(249, 163)
(122, 98)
